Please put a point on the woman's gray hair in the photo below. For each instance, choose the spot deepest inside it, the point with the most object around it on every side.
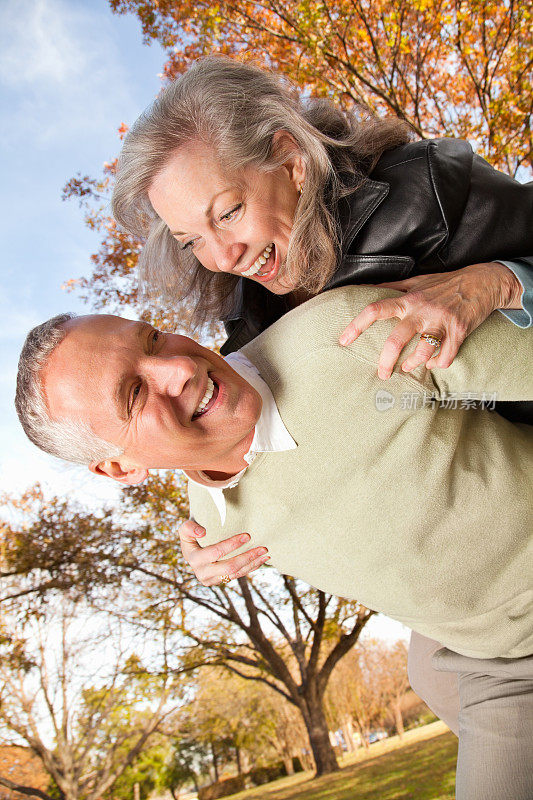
(237, 108)
(71, 440)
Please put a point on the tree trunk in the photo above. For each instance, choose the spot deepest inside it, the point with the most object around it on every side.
(238, 759)
(317, 730)
(347, 729)
(363, 733)
(288, 765)
(245, 759)
(398, 719)
(215, 761)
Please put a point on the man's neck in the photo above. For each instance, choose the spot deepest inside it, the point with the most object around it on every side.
(236, 465)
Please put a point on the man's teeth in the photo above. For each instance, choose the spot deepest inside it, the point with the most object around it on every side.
(256, 266)
(206, 398)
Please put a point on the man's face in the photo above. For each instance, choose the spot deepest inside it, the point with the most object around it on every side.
(142, 390)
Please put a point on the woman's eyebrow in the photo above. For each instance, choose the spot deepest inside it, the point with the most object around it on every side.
(207, 211)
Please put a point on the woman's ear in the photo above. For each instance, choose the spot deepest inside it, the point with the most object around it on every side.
(128, 476)
(284, 143)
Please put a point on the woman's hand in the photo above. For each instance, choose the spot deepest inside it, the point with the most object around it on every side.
(447, 305)
(205, 561)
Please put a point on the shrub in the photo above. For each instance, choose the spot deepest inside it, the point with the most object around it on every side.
(222, 788)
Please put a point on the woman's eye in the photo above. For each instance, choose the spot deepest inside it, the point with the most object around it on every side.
(186, 245)
(230, 215)
(155, 336)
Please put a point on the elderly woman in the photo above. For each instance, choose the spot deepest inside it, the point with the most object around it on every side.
(230, 175)
(251, 199)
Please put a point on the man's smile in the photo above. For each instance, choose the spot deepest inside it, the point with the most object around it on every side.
(208, 400)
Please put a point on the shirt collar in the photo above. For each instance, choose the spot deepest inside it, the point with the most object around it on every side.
(270, 435)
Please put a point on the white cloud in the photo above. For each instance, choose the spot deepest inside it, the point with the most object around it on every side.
(36, 45)
(61, 63)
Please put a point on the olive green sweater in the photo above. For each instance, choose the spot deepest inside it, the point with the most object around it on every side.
(424, 514)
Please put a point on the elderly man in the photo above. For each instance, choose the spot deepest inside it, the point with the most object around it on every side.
(405, 499)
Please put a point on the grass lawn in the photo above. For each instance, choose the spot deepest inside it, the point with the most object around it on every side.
(420, 768)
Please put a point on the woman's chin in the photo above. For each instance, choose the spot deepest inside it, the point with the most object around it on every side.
(278, 288)
(281, 284)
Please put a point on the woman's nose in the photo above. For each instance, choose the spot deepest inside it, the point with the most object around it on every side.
(226, 254)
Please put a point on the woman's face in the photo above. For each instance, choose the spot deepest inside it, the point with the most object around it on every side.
(239, 224)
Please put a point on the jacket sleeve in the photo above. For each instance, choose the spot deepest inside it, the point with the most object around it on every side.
(490, 218)
(523, 269)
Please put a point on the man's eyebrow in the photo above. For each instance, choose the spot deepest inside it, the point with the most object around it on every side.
(125, 379)
(207, 211)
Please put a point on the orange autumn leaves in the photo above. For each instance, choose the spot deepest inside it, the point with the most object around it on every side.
(448, 67)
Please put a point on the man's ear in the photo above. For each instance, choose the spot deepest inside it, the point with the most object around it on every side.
(129, 476)
(284, 142)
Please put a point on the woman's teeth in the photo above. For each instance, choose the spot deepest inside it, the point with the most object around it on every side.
(256, 266)
(206, 398)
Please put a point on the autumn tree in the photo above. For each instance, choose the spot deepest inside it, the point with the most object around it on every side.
(360, 688)
(448, 67)
(460, 68)
(254, 727)
(391, 672)
(268, 628)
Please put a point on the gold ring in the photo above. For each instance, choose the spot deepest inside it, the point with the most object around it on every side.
(430, 339)
(226, 579)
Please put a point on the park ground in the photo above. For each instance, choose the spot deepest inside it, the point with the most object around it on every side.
(419, 767)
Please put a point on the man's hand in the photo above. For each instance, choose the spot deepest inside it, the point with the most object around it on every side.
(447, 305)
(205, 561)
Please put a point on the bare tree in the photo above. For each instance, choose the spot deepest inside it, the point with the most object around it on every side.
(391, 671)
(270, 628)
(75, 694)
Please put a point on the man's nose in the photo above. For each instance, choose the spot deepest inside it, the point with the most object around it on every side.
(170, 373)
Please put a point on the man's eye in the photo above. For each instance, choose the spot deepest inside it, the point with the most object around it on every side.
(155, 336)
(133, 397)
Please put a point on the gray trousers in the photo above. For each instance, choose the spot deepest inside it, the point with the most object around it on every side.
(488, 704)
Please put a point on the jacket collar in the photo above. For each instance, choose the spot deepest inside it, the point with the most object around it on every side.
(357, 208)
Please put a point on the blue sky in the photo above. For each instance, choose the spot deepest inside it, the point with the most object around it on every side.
(70, 73)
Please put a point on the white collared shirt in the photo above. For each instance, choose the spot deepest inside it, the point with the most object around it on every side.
(270, 435)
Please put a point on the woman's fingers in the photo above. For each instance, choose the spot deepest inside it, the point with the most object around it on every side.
(424, 352)
(207, 563)
(381, 309)
(448, 306)
(189, 532)
(400, 336)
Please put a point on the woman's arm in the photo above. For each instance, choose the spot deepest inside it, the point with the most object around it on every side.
(468, 215)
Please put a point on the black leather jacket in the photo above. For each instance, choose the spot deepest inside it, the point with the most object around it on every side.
(428, 206)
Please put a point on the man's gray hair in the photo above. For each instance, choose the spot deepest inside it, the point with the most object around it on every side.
(71, 440)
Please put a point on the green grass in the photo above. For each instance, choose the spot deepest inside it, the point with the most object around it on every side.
(423, 770)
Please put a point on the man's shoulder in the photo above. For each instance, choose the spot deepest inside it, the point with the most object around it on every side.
(316, 326)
